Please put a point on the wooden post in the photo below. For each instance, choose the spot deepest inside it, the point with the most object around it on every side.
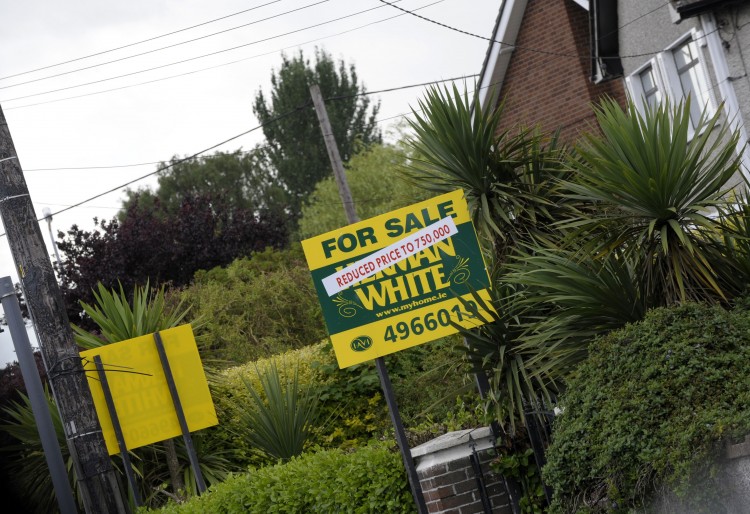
(385, 381)
(96, 476)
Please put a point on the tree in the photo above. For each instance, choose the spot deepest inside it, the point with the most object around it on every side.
(295, 149)
(152, 245)
(376, 184)
(510, 179)
(242, 179)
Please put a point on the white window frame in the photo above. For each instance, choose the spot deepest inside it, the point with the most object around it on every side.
(668, 80)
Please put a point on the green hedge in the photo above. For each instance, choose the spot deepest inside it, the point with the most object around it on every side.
(256, 307)
(649, 410)
(371, 479)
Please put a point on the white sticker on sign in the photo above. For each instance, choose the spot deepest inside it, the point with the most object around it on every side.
(390, 255)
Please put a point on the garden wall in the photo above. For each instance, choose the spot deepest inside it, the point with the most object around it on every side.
(455, 476)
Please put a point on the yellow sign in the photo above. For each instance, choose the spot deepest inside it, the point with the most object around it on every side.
(140, 392)
(400, 279)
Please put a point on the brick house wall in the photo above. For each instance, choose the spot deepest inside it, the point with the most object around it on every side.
(551, 90)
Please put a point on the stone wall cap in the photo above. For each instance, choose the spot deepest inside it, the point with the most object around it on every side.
(451, 440)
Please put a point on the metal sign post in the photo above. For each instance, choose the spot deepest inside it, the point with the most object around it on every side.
(118, 430)
(385, 381)
(180, 414)
(27, 363)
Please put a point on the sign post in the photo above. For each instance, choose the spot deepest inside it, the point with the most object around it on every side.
(400, 279)
(396, 281)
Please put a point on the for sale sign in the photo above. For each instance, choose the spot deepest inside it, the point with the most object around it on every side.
(400, 279)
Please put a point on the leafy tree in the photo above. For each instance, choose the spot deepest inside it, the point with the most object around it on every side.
(242, 179)
(296, 150)
(376, 184)
(153, 245)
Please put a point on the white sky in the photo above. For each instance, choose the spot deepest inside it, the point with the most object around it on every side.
(183, 115)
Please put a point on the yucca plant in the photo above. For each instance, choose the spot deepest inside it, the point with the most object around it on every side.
(119, 319)
(510, 177)
(279, 420)
(735, 235)
(518, 377)
(573, 298)
(25, 461)
(656, 192)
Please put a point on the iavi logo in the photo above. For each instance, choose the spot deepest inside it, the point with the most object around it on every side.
(361, 343)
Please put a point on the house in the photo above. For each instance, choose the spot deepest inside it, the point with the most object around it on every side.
(689, 47)
(539, 64)
(551, 59)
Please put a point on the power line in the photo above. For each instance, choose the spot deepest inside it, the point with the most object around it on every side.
(526, 48)
(163, 47)
(94, 167)
(138, 42)
(331, 98)
(184, 159)
(219, 65)
(404, 11)
(193, 58)
(399, 88)
(180, 161)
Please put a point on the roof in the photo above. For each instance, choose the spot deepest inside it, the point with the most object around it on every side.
(604, 48)
(500, 50)
(689, 8)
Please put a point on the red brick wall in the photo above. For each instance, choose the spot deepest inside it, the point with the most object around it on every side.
(452, 488)
(554, 91)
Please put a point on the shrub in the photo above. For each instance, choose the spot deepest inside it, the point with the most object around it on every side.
(230, 393)
(371, 479)
(649, 409)
(256, 307)
(280, 425)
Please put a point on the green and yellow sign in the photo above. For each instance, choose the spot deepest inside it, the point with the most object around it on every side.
(140, 391)
(399, 279)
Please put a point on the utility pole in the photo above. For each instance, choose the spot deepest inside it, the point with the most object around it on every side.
(385, 381)
(96, 476)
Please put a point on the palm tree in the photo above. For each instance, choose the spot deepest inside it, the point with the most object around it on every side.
(511, 180)
(657, 193)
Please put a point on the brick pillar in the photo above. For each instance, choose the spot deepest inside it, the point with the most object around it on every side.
(448, 479)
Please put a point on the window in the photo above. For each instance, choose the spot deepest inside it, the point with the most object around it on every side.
(676, 73)
(651, 93)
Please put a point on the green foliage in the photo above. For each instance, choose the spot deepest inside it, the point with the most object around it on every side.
(279, 424)
(24, 460)
(355, 411)
(518, 376)
(511, 179)
(650, 407)
(521, 466)
(240, 177)
(256, 307)
(369, 480)
(296, 150)
(231, 389)
(654, 186)
(376, 184)
(117, 320)
(509, 176)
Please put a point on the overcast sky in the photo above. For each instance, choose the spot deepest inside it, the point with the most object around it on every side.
(63, 116)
